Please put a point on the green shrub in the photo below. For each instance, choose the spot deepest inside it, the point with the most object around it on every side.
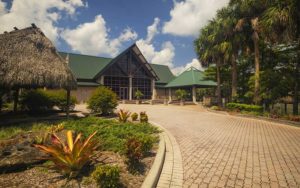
(43, 100)
(103, 100)
(244, 107)
(36, 100)
(181, 94)
(134, 116)
(143, 117)
(107, 176)
(147, 143)
(59, 98)
(215, 108)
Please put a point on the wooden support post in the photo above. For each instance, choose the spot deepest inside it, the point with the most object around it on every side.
(68, 103)
(16, 99)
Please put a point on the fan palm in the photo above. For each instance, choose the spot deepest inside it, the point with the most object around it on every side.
(281, 24)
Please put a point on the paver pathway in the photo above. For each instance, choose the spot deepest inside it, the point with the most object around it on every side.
(226, 151)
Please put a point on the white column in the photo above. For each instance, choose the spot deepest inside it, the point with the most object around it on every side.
(130, 88)
(170, 94)
(194, 95)
(153, 89)
(102, 80)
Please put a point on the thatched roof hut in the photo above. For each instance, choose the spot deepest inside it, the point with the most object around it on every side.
(28, 59)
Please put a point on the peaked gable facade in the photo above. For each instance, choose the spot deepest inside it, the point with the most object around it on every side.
(127, 73)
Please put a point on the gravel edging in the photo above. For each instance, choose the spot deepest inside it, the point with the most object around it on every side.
(152, 178)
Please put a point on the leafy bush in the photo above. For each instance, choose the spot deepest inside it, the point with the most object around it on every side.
(133, 152)
(181, 94)
(71, 156)
(43, 100)
(36, 100)
(103, 100)
(59, 98)
(107, 176)
(134, 116)
(244, 107)
(147, 143)
(215, 108)
(138, 94)
(123, 115)
(294, 118)
(143, 117)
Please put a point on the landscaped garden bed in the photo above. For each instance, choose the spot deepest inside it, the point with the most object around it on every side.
(22, 164)
(256, 111)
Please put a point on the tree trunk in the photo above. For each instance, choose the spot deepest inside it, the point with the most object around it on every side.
(16, 99)
(256, 52)
(68, 103)
(234, 77)
(296, 89)
(219, 84)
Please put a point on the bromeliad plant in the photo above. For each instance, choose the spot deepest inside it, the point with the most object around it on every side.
(123, 115)
(71, 156)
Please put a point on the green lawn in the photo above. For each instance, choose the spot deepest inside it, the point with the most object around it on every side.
(111, 134)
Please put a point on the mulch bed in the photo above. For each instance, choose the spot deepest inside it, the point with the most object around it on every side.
(41, 175)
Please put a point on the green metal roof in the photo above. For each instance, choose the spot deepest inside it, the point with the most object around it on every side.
(85, 66)
(191, 77)
(85, 83)
(163, 72)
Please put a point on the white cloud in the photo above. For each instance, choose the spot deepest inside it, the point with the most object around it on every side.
(93, 38)
(2, 8)
(194, 63)
(45, 14)
(152, 30)
(164, 56)
(187, 17)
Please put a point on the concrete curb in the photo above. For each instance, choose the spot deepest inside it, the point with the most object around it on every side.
(153, 176)
(172, 172)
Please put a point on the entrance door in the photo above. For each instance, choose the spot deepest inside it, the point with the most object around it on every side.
(124, 93)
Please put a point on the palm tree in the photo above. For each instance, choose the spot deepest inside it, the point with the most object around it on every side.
(231, 44)
(281, 24)
(208, 47)
(250, 12)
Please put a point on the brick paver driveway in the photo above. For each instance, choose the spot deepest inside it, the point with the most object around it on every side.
(226, 151)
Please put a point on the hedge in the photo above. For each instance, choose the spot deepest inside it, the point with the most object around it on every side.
(244, 107)
(44, 100)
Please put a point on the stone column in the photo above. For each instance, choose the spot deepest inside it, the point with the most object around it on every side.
(153, 89)
(170, 94)
(130, 88)
(194, 94)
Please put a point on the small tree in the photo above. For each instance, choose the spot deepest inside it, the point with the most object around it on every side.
(181, 95)
(103, 100)
(138, 95)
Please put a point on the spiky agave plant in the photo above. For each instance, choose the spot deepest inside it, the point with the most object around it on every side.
(71, 156)
(123, 115)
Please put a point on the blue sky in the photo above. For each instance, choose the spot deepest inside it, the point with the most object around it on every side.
(164, 30)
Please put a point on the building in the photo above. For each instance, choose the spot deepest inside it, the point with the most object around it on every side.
(125, 74)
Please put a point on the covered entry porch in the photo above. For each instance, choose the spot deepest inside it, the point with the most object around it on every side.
(189, 80)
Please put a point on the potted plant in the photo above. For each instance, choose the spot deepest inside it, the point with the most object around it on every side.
(138, 95)
(181, 95)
